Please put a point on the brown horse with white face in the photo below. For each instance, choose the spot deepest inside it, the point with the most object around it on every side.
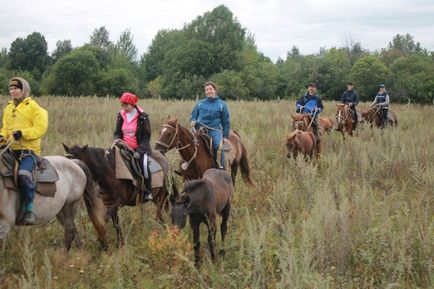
(196, 154)
(344, 119)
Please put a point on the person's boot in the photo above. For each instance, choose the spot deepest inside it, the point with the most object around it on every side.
(29, 218)
(147, 192)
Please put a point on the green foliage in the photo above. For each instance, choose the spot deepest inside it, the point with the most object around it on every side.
(412, 79)
(116, 81)
(62, 48)
(368, 73)
(230, 85)
(100, 38)
(125, 46)
(29, 54)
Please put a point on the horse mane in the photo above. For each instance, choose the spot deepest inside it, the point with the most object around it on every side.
(194, 185)
(97, 158)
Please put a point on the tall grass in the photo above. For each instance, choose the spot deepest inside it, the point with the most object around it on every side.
(361, 216)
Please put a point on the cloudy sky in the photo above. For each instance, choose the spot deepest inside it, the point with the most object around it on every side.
(276, 24)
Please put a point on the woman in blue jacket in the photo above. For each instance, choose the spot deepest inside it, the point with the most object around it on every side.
(212, 113)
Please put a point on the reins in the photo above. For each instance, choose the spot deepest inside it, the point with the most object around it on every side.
(7, 147)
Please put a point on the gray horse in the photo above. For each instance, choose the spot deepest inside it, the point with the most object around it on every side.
(74, 181)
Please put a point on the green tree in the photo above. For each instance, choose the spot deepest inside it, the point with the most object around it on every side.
(116, 81)
(74, 74)
(3, 58)
(29, 54)
(230, 85)
(63, 47)
(100, 38)
(368, 72)
(125, 46)
(412, 79)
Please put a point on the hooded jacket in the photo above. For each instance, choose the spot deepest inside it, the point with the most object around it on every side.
(28, 117)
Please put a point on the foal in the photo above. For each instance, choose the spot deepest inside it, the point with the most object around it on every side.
(300, 142)
(202, 200)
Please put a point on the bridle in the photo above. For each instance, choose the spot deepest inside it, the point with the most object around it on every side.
(339, 117)
(177, 145)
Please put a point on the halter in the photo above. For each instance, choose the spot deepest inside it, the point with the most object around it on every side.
(176, 137)
(339, 118)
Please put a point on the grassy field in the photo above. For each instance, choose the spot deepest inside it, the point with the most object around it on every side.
(361, 216)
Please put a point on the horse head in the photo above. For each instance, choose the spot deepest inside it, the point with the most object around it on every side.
(75, 152)
(169, 135)
(301, 121)
(179, 206)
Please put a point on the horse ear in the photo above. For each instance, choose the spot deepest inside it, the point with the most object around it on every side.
(65, 147)
(293, 116)
(85, 148)
(168, 117)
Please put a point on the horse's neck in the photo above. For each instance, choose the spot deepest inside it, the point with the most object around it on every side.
(188, 143)
(101, 171)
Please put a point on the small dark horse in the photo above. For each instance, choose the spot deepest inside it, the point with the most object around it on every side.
(202, 200)
(344, 119)
(117, 192)
(373, 116)
(196, 155)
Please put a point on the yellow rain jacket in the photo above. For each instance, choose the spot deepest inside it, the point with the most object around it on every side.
(30, 119)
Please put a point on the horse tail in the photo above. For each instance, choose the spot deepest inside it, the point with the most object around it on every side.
(244, 164)
(94, 203)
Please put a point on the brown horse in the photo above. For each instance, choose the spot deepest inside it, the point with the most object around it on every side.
(202, 200)
(373, 116)
(117, 192)
(303, 122)
(300, 142)
(326, 124)
(344, 119)
(196, 153)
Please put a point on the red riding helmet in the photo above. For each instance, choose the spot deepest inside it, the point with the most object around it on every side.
(128, 97)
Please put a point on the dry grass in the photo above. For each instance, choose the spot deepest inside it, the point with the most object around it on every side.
(359, 217)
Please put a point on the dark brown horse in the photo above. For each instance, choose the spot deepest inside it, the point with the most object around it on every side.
(303, 122)
(117, 193)
(196, 154)
(373, 115)
(202, 200)
(300, 142)
(344, 119)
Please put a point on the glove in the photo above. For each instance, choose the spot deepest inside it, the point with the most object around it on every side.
(136, 155)
(300, 108)
(17, 134)
(193, 123)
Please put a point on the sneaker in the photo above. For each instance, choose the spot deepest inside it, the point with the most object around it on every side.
(29, 219)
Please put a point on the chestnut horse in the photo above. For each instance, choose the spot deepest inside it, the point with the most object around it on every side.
(196, 154)
(373, 116)
(117, 193)
(303, 122)
(344, 119)
(300, 142)
(202, 200)
(326, 124)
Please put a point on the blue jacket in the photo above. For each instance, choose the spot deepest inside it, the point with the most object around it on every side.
(212, 112)
(309, 102)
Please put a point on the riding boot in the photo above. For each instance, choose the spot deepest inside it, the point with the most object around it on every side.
(147, 192)
(222, 160)
(27, 186)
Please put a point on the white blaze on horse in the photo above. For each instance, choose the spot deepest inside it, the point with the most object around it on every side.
(72, 183)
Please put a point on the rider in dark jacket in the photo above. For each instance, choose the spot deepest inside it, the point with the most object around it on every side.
(351, 98)
(382, 100)
(311, 103)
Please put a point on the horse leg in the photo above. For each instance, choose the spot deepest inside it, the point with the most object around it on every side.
(234, 171)
(66, 218)
(212, 230)
(119, 236)
(195, 224)
(224, 226)
(159, 199)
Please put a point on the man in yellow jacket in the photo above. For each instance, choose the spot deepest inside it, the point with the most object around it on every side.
(24, 123)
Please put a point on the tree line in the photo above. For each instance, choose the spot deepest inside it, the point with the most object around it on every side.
(215, 46)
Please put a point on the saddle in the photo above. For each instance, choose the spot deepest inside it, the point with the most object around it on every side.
(45, 175)
(129, 168)
(225, 147)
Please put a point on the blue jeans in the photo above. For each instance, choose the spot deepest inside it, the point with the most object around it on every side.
(27, 184)
(217, 138)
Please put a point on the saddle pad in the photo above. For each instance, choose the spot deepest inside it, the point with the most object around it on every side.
(154, 166)
(121, 169)
(43, 189)
(48, 174)
(157, 179)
